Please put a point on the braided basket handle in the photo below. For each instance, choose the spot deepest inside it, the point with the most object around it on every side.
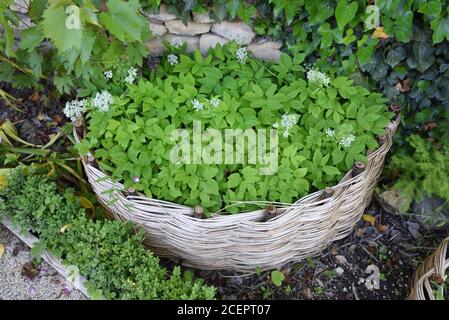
(433, 269)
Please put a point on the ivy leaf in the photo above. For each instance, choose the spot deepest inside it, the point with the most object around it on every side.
(344, 13)
(431, 8)
(54, 27)
(404, 27)
(395, 56)
(423, 56)
(440, 30)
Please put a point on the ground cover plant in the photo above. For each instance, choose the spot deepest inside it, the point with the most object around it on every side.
(108, 253)
(324, 124)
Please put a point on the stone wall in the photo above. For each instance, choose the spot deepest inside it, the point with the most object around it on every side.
(203, 33)
(200, 33)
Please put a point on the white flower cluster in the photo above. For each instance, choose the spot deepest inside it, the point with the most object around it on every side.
(347, 141)
(132, 74)
(176, 43)
(318, 77)
(108, 74)
(288, 121)
(197, 105)
(74, 109)
(241, 55)
(172, 59)
(102, 101)
(330, 132)
(214, 102)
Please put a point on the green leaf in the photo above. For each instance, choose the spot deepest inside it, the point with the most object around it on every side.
(277, 278)
(317, 156)
(54, 27)
(209, 172)
(431, 8)
(395, 56)
(123, 20)
(31, 38)
(234, 180)
(440, 28)
(404, 27)
(344, 13)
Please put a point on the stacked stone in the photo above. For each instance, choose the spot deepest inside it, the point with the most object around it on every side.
(203, 33)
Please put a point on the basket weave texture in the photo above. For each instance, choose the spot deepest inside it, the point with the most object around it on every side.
(245, 242)
(432, 269)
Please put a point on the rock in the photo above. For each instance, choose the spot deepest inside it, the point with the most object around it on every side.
(157, 29)
(341, 260)
(192, 42)
(20, 6)
(202, 17)
(237, 31)
(267, 50)
(210, 40)
(156, 47)
(392, 201)
(191, 29)
(413, 228)
(432, 213)
(163, 14)
(339, 270)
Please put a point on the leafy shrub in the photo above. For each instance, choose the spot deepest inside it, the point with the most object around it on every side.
(100, 38)
(107, 253)
(336, 124)
(423, 173)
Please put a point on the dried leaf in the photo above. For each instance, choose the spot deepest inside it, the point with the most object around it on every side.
(379, 33)
(382, 227)
(64, 228)
(369, 218)
(341, 260)
(2, 249)
(403, 85)
(35, 96)
(360, 232)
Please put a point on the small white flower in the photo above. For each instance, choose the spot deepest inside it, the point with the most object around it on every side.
(197, 105)
(241, 55)
(176, 43)
(318, 77)
(74, 109)
(330, 132)
(347, 141)
(214, 102)
(108, 74)
(288, 121)
(132, 74)
(102, 101)
(172, 59)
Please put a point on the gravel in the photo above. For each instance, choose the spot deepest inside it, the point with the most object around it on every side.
(21, 279)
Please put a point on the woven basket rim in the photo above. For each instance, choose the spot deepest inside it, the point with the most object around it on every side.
(189, 211)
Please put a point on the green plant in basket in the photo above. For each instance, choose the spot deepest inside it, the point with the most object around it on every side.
(315, 127)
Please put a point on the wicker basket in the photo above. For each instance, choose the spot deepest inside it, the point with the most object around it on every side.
(432, 269)
(246, 241)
